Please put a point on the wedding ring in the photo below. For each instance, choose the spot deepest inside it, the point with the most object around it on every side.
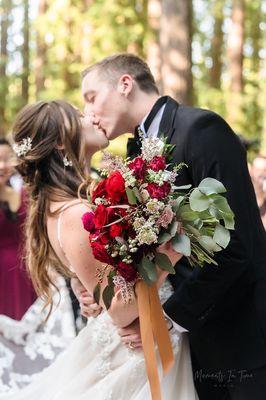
(131, 346)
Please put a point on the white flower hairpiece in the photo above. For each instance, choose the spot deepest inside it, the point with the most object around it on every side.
(23, 147)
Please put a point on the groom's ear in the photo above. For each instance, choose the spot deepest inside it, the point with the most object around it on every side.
(125, 85)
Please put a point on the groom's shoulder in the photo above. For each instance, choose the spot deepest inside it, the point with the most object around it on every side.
(191, 114)
(193, 120)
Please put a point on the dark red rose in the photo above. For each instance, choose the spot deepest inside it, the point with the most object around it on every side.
(104, 238)
(138, 167)
(115, 187)
(157, 163)
(88, 221)
(158, 192)
(116, 230)
(99, 191)
(100, 216)
(100, 253)
(127, 271)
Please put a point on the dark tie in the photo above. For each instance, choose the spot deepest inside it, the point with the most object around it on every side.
(134, 144)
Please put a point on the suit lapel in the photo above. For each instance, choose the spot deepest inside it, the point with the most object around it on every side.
(167, 128)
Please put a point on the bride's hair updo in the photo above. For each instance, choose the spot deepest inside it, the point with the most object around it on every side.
(51, 131)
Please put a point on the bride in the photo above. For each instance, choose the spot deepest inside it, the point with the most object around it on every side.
(55, 145)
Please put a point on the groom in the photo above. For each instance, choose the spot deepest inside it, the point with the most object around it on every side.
(223, 308)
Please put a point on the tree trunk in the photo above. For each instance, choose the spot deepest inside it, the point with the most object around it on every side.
(176, 40)
(26, 55)
(41, 49)
(6, 6)
(154, 50)
(235, 46)
(217, 45)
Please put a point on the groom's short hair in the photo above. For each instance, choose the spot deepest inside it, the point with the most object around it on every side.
(114, 66)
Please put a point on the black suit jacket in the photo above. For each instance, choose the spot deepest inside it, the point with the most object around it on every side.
(224, 307)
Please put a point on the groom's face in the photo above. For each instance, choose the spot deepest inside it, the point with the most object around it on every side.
(105, 104)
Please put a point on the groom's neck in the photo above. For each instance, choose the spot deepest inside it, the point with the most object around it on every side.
(143, 104)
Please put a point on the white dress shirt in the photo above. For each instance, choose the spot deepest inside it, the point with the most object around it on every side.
(153, 131)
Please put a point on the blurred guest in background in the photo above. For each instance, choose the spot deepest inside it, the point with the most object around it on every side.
(16, 291)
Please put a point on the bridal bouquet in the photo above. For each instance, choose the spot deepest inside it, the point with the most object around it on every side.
(137, 207)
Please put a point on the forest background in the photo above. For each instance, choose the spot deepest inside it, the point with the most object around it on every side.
(205, 53)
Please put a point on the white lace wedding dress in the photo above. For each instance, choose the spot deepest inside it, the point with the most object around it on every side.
(97, 366)
(30, 345)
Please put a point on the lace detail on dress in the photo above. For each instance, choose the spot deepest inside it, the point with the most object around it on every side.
(102, 336)
(30, 345)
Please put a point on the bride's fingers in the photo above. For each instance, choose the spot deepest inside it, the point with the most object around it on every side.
(131, 338)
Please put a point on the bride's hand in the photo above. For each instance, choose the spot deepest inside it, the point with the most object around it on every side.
(88, 307)
(173, 256)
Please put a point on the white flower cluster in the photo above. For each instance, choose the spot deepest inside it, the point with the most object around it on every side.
(130, 180)
(110, 163)
(23, 147)
(151, 147)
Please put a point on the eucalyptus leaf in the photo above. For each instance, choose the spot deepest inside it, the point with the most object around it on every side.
(198, 201)
(164, 237)
(108, 294)
(221, 236)
(209, 244)
(147, 270)
(229, 221)
(210, 186)
(131, 196)
(173, 228)
(163, 262)
(97, 293)
(182, 187)
(181, 244)
(198, 223)
(137, 194)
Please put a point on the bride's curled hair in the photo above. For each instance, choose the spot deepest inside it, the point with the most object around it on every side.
(55, 131)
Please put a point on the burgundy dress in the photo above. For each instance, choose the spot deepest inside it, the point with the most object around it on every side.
(16, 291)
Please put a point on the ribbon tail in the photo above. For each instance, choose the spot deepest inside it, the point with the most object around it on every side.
(160, 330)
(143, 295)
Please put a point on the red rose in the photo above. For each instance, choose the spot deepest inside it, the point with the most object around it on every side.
(115, 230)
(99, 191)
(88, 221)
(115, 187)
(104, 238)
(100, 216)
(157, 163)
(158, 192)
(100, 253)
(138, 167)
(127, 271)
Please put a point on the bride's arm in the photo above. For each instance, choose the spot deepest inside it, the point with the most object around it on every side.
(75, 244)
(124, 314)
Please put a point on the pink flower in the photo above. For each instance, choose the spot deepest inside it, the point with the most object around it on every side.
(88, 221)
(166, 217)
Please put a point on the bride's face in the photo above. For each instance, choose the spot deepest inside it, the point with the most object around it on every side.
(94, 139)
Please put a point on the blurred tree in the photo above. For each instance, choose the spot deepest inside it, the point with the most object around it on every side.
(235, 46)
(176, 42)
(5, 8)
(217, 44)
(153, 49)
(25, 55)
(41, 57)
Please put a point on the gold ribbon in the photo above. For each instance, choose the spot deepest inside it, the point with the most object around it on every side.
(153, 328)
